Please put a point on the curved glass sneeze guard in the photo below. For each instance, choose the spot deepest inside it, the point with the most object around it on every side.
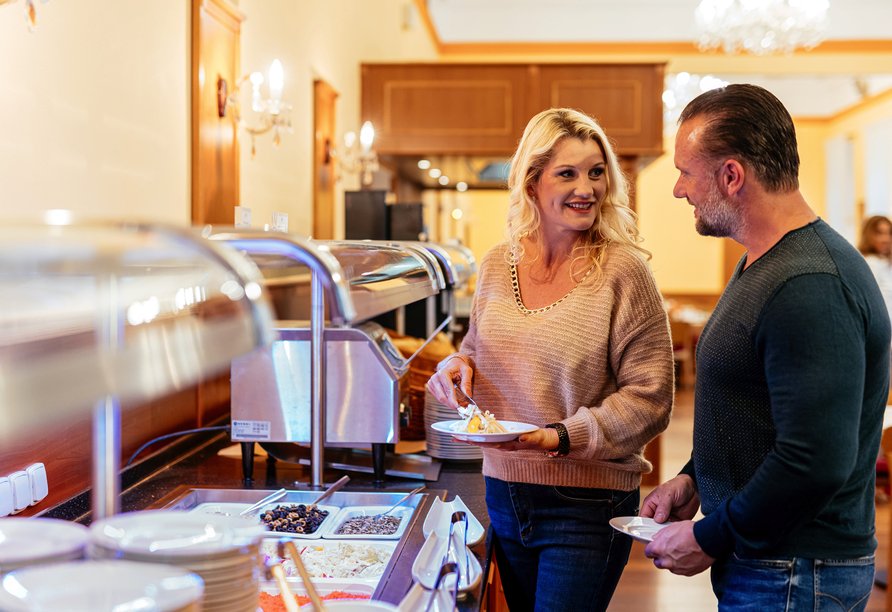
(361, 279)
(457, 261)
(133, 311)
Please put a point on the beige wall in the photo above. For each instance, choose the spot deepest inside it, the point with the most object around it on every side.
(487, 213)
(94, 109)
(852, 125)
(683, 261)
(94, 106)
(319, 39)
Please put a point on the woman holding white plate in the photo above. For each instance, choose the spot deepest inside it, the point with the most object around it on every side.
(567, 333)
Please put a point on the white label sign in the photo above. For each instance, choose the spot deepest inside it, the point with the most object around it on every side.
(280, 222)
(242, 216)
(250, 430)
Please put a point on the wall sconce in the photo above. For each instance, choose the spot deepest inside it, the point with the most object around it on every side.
(357, 157)
(30, 12)
(274, 114)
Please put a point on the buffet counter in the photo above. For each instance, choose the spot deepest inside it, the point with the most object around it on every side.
(195, 464)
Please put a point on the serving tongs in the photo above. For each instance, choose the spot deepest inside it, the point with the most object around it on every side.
(275, 570)
(458, 517)
(269, 498)
(288, 545)
(445, 570)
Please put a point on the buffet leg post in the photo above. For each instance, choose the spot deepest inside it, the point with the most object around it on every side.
(248, 462)
(378, 453)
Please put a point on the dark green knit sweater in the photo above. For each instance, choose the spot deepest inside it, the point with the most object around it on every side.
(792, 382)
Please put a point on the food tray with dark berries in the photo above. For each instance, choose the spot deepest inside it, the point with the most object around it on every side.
(296, 520)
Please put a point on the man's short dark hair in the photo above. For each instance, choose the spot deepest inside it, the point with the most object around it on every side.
(748, 123)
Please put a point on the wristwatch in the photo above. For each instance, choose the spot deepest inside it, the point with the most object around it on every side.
(563, 447)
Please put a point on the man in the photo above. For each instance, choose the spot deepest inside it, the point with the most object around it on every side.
(792, 379)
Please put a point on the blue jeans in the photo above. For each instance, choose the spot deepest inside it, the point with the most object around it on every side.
(793, 584)
(555, 548)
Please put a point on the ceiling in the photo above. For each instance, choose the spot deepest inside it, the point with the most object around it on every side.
(812, 94)
(618, 20)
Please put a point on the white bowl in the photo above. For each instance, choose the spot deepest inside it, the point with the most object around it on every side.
(439, 517)
(171, 533)
(430, 559)
(26, 541)
(101, 586)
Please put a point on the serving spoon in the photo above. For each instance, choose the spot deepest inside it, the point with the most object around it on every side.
(378, 517)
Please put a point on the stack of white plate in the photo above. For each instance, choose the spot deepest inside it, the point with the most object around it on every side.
(223, 550)
(38, 541)
(101, 586)
(441, 444)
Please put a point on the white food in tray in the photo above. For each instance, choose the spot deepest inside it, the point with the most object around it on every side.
(327, 559)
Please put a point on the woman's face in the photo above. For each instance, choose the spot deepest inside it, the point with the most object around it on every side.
(571, 187)
(882, 238)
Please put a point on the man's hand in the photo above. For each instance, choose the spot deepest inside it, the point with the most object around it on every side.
(674, 500)
(674, 548)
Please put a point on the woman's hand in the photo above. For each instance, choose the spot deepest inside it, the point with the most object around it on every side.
(541, 439)
(440, 384)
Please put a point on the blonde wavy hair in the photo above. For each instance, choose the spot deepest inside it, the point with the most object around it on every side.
(615, 221)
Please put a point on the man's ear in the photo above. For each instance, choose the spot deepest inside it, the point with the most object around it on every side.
(732, 177)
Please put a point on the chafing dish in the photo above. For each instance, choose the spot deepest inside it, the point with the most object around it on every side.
(351, 393)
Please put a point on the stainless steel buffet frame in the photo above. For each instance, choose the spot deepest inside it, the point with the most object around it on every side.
(75, 280)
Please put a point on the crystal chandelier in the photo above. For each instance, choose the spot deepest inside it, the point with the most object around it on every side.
(761, 26)
(30, 12)
(680, 89)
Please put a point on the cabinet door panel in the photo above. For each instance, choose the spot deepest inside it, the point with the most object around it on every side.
(448, 109)
(626, 100)
(466, 109)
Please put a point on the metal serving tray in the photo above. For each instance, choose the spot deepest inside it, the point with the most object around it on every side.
(397, 577)
(192, 497)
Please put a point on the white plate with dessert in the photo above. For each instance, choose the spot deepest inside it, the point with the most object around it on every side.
(640, 528)
(459, 430)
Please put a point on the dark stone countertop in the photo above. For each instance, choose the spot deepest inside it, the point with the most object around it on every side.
(194, 461)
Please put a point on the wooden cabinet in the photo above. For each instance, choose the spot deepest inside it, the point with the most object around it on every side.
(625, 99)
(482, 109)
(439, 108)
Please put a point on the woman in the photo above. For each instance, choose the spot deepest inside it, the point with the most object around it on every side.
(567, 332)
(876, 246)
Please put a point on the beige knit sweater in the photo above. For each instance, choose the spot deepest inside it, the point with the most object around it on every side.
(600, 362)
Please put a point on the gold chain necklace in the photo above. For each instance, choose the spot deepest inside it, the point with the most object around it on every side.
(526, 310)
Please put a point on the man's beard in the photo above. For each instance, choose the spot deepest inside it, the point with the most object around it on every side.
(717, 216)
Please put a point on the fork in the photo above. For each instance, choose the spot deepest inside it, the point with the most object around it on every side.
(463, 410)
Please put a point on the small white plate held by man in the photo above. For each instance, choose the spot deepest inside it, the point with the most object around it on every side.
(514, 430)
(640, 528)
